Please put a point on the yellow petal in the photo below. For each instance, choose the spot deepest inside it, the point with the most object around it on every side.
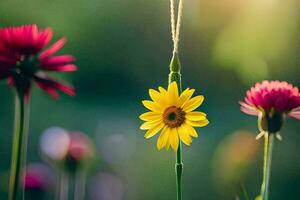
(192, 131)
(193, 103)
(157, 97)
(200, 123)
(162, 90)
(152, 106)
(168, 143)
(185, 96)
(150, 124)
(173, 138)
(153, 131)
(195, 116)
(163, 138)
(173, 94)
(150, 116)
(184, 135)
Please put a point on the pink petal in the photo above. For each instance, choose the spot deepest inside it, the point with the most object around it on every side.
(47, 88)
(53, 49)
(248, 109)
(29, 35)
(69, 90)
(295, 115)
(249, 112)
(280, 95)
(61, 68)
(27, 39)
(296, 109)
(58, 60)
(51, 86)
(44, 38)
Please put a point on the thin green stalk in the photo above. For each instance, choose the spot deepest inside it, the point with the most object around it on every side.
(64, 186)
(179, 169)
(19, 148)
(268, 149)
(80, 179)
(176, 76)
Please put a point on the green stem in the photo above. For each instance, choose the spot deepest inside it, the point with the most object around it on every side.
(176, 76)
(268, 149)
(179, 169)
(64, 186)
(80, 179)
(19, 148)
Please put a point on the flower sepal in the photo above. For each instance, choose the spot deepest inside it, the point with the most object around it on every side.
(270, 122)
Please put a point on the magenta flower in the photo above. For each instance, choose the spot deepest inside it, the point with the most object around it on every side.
(272, 102)
(38, 176)
(24, 59)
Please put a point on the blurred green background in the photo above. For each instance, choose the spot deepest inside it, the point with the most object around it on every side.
(123, 48)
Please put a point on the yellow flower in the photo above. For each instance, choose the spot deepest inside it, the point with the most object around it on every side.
(173, 115)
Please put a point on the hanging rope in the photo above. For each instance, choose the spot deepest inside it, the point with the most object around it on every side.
(175, 29)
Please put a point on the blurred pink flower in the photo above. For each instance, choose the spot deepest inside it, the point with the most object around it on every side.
(38, 176)
(280, 96)
(64, 148)
(23, 59)
(80, 146)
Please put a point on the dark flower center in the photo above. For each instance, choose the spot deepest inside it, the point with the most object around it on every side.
(27, 66)
(24, 71)
(173, 116)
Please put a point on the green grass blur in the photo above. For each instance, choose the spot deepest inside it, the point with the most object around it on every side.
(123, 48)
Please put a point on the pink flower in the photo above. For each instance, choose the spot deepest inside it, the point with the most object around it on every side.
(272, 101)
(71, 150)
(80, 147)
(24, 59)
(38, 176)
(280, 96)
